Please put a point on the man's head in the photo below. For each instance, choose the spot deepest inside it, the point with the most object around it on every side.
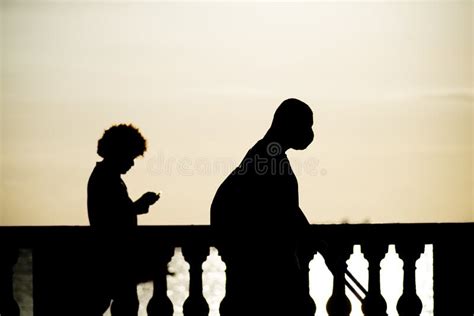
(292, 124)
(120, 145)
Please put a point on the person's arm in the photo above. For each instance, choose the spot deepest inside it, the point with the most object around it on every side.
(142, 205)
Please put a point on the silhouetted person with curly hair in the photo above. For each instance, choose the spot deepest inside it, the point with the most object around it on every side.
(259, 226)
(113, 218)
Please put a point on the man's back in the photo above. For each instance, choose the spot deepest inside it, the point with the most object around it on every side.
(257, 221)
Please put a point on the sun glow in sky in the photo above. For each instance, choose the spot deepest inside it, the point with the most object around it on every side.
(390, 84)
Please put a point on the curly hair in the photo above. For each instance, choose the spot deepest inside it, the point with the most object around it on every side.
(120, 140)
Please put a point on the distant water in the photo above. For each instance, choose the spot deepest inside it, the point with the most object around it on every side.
(214, 282)
(23, 282)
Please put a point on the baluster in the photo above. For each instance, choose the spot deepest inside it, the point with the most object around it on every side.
(160, 304)
(336, 257)
(409, 303)
(8, 305)
(374, 304)
(305, 257)
(195, 304)
(225, 308)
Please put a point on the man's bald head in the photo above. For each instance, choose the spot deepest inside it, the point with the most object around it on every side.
(292, 124)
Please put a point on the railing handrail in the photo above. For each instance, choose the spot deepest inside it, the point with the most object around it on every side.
(30, 236)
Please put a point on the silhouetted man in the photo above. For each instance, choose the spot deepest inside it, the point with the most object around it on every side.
(113, 218)
(258, 224)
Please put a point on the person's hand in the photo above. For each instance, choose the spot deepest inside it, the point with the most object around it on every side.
(150, 198)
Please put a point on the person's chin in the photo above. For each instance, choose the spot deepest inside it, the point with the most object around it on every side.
(301, 146)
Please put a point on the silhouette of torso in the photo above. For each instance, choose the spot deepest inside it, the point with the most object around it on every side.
(113, 218)
(109, 206)
(257, 222)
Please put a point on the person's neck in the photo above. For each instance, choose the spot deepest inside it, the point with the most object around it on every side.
(111, 166)
(272, 137)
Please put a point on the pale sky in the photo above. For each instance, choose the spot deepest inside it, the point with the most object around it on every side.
(390, 84)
